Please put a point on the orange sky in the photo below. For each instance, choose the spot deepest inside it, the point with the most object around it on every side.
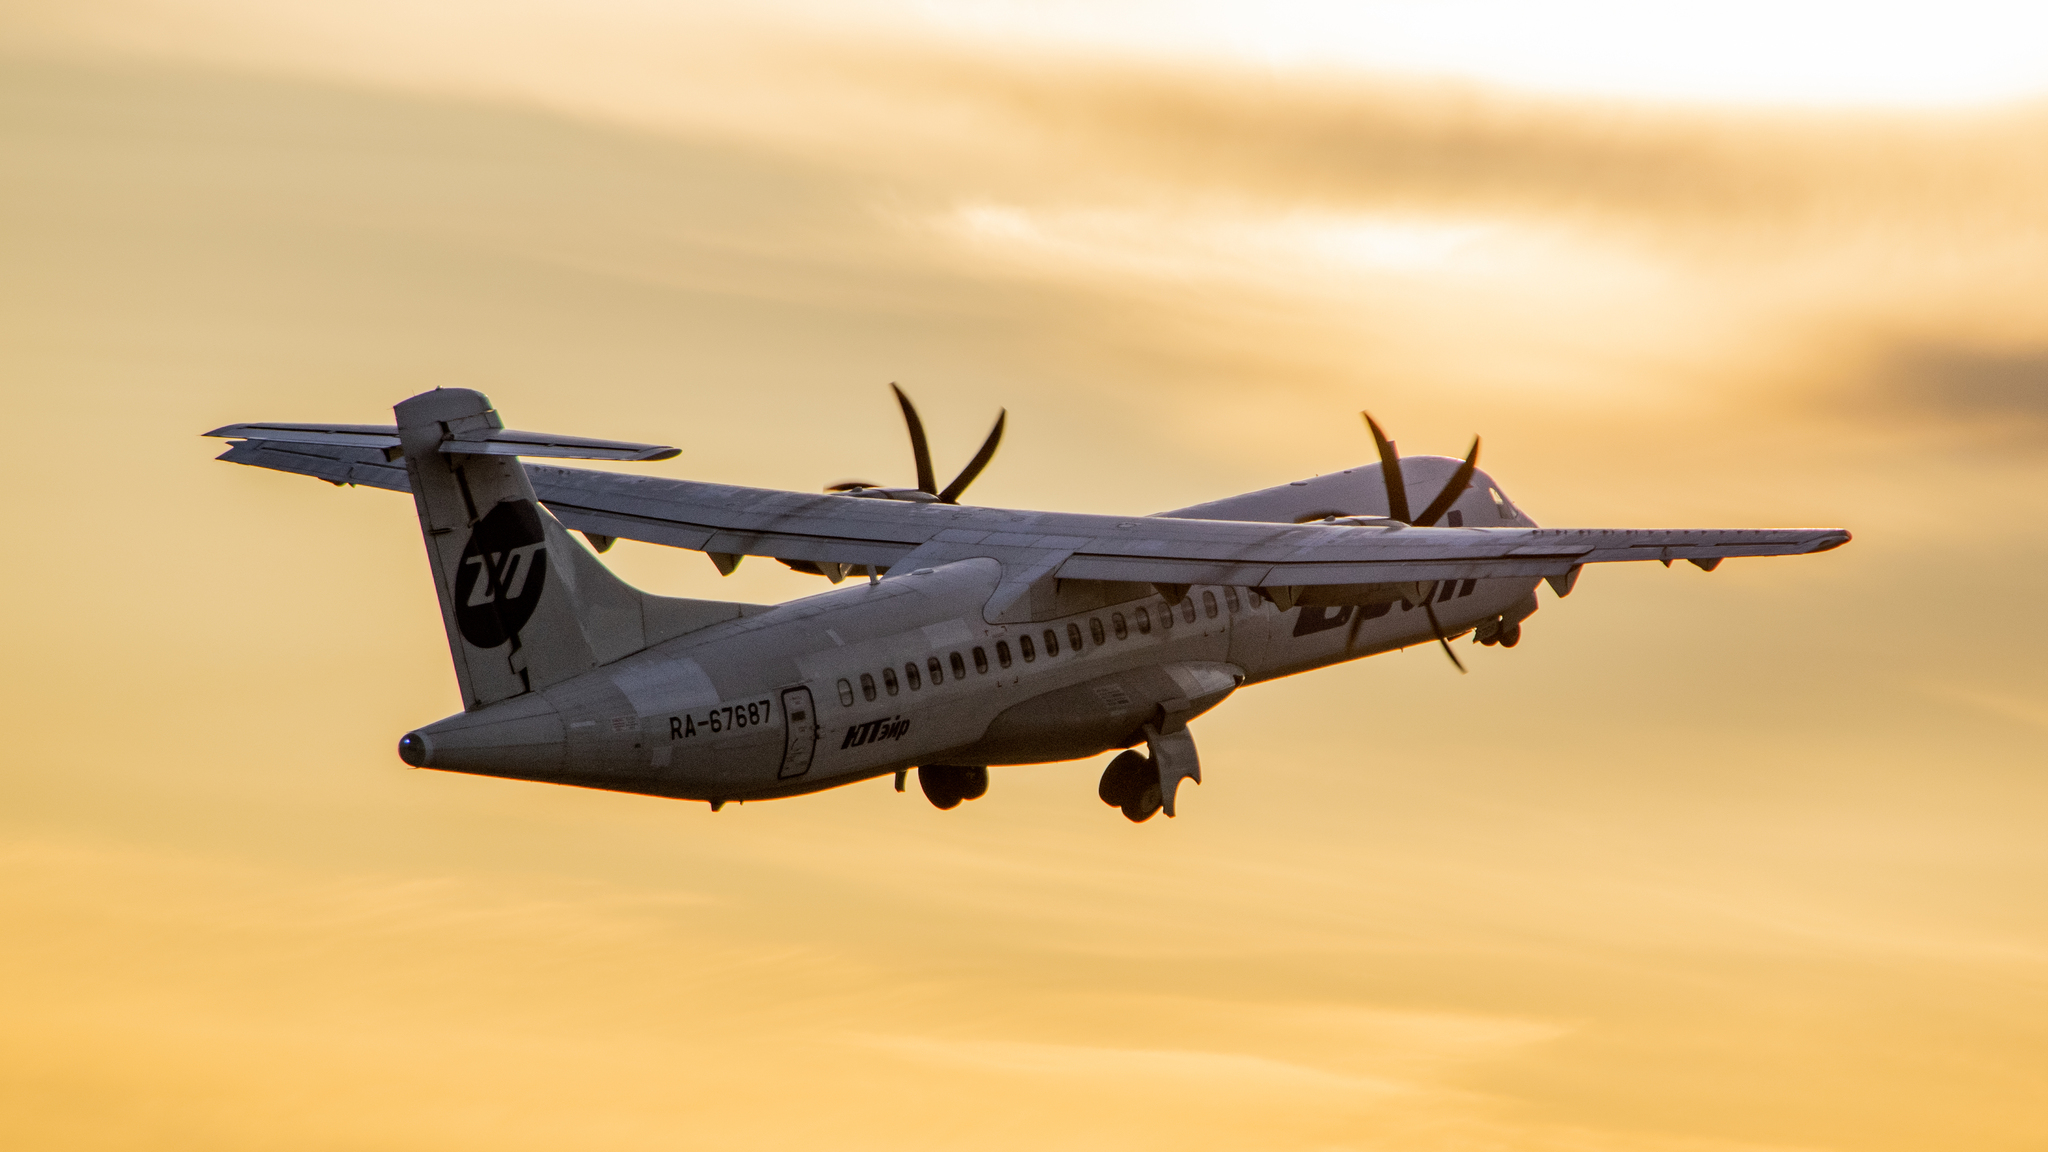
(1742, 861)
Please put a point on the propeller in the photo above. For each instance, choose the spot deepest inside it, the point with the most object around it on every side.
(1430, 609)
(1397, 508)
(921, 453)
(1397, 485)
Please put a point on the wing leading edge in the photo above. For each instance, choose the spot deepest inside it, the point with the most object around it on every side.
(827, 529)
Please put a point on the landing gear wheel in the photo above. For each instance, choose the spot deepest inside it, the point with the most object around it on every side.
(1145, 805)
(1131, 782)
(937, 790)
(1124, 780)
(946, 785)
(973, 782)
(1511, 636)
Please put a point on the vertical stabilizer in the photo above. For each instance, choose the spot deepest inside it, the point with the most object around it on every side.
(525, 606)
(510, 624)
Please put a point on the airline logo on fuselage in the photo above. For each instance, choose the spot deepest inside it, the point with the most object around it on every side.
(890, 728)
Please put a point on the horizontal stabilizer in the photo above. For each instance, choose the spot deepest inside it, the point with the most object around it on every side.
(469, 442)
(334, 462)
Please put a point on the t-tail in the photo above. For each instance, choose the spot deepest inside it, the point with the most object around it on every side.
(524, 604)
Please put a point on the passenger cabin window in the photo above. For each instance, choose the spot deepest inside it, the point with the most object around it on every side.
(1187, 609)
(867, 686)
(1052, 642)
(1117, 625)
(1025, 646)
(889, 681)
(1094, 630)
(959, 665)
(981, 660)
(910, 674)
(1003, 653)
(1230, 599)
(1144, 622)
(1074, 636)
(1166, 616)
(938, 674)
(1209, 604)
(845, 694)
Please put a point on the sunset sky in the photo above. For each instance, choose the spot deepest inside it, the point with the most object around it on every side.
(1754, 861)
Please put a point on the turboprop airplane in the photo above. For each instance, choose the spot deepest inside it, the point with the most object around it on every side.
(979, 636)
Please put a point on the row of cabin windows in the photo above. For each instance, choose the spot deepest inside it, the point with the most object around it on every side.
(1027, 647)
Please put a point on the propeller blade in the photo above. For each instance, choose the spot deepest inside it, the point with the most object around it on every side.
(919, 447)
(1430, 608)
(1460, 480)
(1390, 471)
(981, 458)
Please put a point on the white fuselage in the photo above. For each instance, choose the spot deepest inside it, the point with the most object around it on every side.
(873, 678)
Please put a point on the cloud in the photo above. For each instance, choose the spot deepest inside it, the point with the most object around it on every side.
(1969, 384)
(1231, 1072)
(2005, 706)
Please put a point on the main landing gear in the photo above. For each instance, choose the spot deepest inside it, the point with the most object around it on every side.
(1506, 628)
(1495, 631)
(1131, 783)
(1144, 785)
(946, 785)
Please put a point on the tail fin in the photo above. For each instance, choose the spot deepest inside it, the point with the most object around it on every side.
(525, 605)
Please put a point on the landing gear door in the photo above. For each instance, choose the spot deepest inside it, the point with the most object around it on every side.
(801, 721)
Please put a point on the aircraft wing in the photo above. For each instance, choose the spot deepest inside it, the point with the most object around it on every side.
(1332, 555)
(855, 531)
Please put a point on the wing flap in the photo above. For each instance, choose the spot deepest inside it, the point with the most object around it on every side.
(1440, 554)
(700, 538)
(1136, 570)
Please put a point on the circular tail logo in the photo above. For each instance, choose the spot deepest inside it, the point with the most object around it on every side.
(503, 569)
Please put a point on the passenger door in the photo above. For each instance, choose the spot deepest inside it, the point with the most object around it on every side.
(800, 720)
